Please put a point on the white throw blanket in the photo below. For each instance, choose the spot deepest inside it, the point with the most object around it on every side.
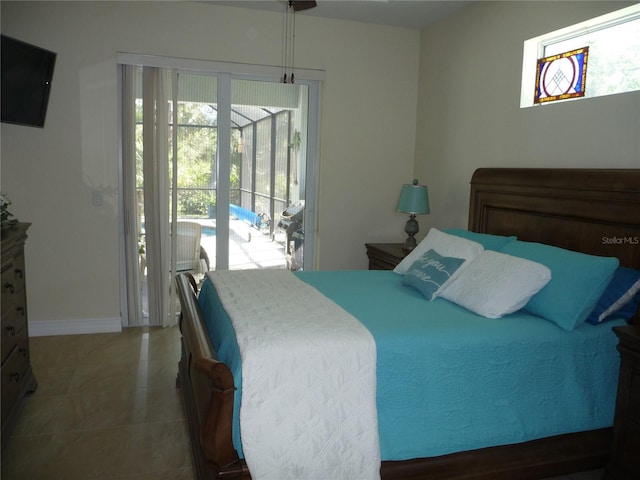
(308, 408)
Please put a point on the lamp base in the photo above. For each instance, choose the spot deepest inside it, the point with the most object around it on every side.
(410, 228)
(409, 244)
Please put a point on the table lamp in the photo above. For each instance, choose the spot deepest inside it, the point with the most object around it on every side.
(414, 200)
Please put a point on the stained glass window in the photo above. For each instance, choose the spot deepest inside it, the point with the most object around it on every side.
(614, 48)
(561, 76)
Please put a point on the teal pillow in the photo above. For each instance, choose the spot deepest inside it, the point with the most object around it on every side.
(431, 272)
(577, 282)
(487, 240)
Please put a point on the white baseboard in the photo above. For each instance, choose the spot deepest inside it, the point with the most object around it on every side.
(48, 328)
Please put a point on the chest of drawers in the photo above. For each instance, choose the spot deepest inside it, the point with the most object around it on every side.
(17, 376)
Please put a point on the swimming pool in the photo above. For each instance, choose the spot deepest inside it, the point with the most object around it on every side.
(208, 231)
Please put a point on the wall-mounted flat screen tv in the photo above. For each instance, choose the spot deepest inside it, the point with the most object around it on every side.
(26, 76)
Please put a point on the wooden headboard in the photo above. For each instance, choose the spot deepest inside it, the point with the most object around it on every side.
(595, 211)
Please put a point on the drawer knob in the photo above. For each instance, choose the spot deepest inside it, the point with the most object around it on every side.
(9, 286)
(22, 351)
(11, 329)
(21, 311)
(15, 376)
(19, 273)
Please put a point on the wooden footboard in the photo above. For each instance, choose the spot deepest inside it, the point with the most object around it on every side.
(207, 391)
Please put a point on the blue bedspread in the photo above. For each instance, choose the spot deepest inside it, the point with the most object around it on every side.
(449, 380)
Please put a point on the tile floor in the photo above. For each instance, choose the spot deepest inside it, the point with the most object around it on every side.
(107, 408)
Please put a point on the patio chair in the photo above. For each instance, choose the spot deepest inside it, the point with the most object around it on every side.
(188, 249)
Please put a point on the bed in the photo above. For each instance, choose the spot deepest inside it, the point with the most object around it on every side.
(596, 212)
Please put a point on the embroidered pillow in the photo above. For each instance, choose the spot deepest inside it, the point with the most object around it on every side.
(430, 273)
(443, 244)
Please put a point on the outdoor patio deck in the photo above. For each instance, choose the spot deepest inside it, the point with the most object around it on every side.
(248, 247)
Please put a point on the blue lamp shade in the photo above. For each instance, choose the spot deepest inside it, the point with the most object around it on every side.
(414, 199)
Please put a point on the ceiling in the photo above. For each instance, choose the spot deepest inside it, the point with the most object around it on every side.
(403, 13)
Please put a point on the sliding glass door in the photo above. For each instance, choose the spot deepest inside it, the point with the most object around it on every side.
(268, 174)
(216, 168)
(248, 194)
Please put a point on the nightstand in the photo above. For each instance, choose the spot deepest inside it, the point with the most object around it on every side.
(624, 462)
(385, 256)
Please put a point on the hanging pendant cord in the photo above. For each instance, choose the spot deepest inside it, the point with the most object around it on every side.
(293, 44)
(289, 42)
(285, 43)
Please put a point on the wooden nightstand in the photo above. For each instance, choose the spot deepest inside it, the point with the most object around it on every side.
(385, 256)
(624, 462)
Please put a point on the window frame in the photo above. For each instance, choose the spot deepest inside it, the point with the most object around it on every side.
(534, 48)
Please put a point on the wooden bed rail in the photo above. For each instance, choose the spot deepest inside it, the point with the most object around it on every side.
(207, 385)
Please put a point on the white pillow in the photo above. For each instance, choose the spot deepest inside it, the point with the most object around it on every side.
(495, 284)
(445, 245)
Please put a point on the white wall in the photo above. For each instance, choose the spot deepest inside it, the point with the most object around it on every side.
(469, 115)
(367, 138)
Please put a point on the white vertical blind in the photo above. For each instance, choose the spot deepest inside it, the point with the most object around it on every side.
(133, 261)
(155, 94)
